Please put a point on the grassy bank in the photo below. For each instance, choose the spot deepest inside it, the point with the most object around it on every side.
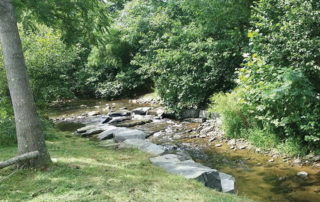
(85, 172)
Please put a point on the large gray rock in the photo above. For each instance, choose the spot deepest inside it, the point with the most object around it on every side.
(121, 134)
(127, 133)
(141, 110)
(192, 170)
(90, 130)
(119, 119)
(133, 123)
(107, 119)
(204, 114)
(190, 113)
(120, 113)
(146, 146)
(85, 128)
(107, 134)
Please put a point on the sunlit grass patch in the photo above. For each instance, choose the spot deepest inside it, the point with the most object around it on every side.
(85, 172)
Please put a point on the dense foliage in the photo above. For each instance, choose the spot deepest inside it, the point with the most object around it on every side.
(265, 53)
(278, 91)
(187, 51)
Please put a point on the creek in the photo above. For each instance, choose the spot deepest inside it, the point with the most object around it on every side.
(256, 176)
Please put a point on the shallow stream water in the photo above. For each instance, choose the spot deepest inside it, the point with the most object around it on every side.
(256, 177)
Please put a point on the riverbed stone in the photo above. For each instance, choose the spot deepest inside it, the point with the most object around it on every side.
(90, 130)
(232, 142)
(146, 146)
(190, 113)
(297, 162)
(141, 110)
(192, 170)
(120, 134)
(302, 174)
(85, 128)
(107, 134)
(116, 120)
(132, 123)
(204, 114)
(119, 113)
(107, 119)
(93, 113)
(194, 120)
(129, 134)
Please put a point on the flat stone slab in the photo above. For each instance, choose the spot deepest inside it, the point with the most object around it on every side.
(132, 123)
(121, 134)
(107, 134)
(90, 130)
(146, 146)
(110, 132)
(119, 119)
(127, 133)
(192, 170)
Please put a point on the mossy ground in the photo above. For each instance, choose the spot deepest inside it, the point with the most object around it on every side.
(85, 172)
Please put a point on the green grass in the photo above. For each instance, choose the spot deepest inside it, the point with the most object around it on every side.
(85, 172)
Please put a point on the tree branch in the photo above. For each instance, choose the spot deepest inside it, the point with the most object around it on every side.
(23, 157)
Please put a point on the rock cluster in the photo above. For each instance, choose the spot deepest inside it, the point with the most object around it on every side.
(179, 164)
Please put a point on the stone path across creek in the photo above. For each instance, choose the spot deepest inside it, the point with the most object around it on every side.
(178, 164)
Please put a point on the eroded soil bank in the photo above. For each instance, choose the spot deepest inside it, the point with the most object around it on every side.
(258, 175)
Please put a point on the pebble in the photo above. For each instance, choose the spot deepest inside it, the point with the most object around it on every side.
(271, 160)
(297, 162)
(242, 147)
(302, 174)
(232, 142)
(212, 139)
(282, 178)
(54, 160)
(232, 147)
(317, 165)
(218, 145)
(316, 158)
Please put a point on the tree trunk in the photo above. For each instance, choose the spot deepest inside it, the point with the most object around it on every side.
(29, 132)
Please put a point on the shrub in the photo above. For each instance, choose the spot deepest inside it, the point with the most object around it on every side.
(190, 52)
(280, 80)
(229, 107)
(49, 63)
(278, 88)
(287, 34)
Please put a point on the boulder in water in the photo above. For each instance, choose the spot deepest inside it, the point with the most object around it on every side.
(119, 113)
(141, 110)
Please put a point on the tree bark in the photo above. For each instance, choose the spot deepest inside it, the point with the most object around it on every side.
(29, 132)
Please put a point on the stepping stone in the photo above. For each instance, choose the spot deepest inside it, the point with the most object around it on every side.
(146, 146)
(127, 133)
(192, 170)
(141, 110)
